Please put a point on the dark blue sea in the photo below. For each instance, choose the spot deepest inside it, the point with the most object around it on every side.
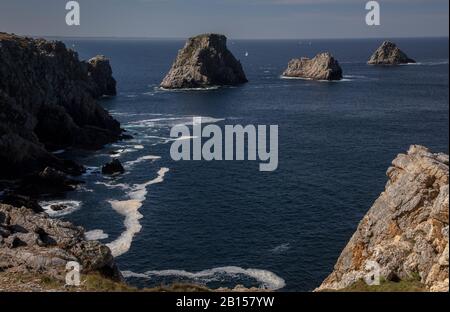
(225, 223)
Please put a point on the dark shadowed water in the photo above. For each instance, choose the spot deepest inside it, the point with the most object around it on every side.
(226, 223)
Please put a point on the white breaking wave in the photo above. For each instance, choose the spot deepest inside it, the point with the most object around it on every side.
(281, 248)
(435, 63)
(122, 151)
(130, 210)
(95, 235)
(265, 279)
(310, 79)
(111, 185)
(91, 170)
(170, 122)
(187, 89)
(141, 159)
(71, 206)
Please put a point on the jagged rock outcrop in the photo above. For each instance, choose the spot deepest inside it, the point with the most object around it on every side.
(113, 167)
(389, 54)
(322, 67)
(48, 101)
(406, 231)
(35, 243)
(204, 61)
(101, 73)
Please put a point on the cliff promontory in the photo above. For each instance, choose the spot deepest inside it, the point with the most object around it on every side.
(405, 232)
(205, 61)
(47, 102)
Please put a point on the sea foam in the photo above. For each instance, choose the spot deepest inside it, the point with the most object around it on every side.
(130, 210)
(264, 278)
(72, 206)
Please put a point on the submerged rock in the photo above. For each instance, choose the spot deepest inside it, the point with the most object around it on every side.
(204, 61)
(322, 67)
(389, 54)
(48, 102)
(113, 167)
(406, 230)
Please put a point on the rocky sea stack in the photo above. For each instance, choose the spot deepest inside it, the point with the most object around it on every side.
(322, 67)
(389, 54)
(406, 230)
(101, 73)
(205, 61)
(47, 102)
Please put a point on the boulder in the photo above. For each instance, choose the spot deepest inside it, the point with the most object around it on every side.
(389, 54)
(406, 231)
(205, 61)
(322, 67)
(113, 167)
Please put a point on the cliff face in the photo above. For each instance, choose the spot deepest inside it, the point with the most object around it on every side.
(204, 61)
(322, 67)
(389, 54)
(48, 101)
(34, 243)
(406, 230)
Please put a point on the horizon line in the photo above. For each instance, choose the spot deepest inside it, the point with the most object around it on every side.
(230, 38)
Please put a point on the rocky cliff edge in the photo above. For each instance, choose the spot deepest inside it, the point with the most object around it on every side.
(406, 230)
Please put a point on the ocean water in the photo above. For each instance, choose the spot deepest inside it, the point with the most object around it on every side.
(226, 223)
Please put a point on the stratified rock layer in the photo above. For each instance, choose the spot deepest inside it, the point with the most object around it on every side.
(389, 54)
(35, 243)
(322, 67)
(406, 230)
(48, 101)
(205, 61)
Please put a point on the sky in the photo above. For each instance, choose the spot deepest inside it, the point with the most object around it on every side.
(238, 19)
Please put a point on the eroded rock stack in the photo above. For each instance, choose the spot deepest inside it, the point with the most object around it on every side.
(34, 243)
(101, 73)
(322, 67)
(48, 101)
(389, 54)
(205, 61)
(406, 231)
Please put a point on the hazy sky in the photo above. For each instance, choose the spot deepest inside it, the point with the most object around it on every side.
(235, 18)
